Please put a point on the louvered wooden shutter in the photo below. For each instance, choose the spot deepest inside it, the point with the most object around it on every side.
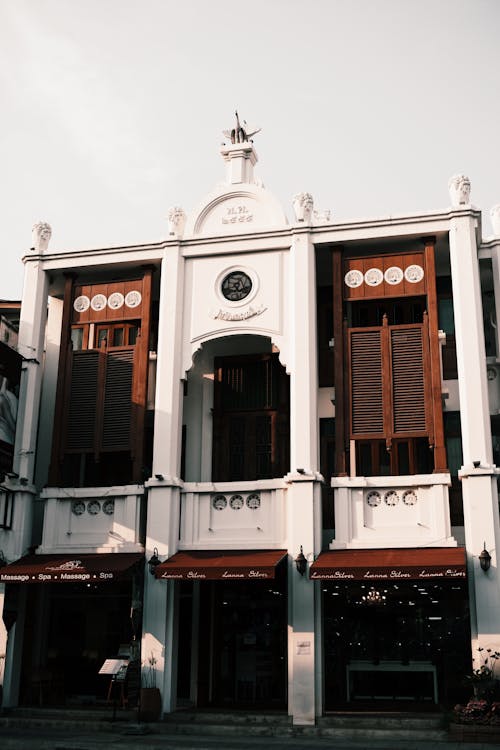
(117, 410)
(82, 408)
(408, 383)
(367, 408)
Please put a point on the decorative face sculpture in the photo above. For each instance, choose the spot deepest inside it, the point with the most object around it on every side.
(459, 187)
(40, 236)
(176, 220)
(303, 204)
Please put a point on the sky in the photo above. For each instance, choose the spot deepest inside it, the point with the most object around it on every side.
(112, 111)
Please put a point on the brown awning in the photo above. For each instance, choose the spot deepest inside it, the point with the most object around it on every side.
(418, 564)
(71, 568)
(212, 565)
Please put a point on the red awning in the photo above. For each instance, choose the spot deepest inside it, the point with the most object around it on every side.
(205, 565)
(418, 564)
(71, 568)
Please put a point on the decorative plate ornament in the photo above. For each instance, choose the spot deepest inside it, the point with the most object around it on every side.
(98, 302)
(374, 277)
(93, 507)
(81, 303)
(391, 498)
(133, 298)
(108, 506)
(353, 278)
(236, 286)
(236, 502)
(253, 501)
(394, 275)
(409, 497)
(219, 502)
(78, 507)
(374, 498)
(115, 301)
(414, 273)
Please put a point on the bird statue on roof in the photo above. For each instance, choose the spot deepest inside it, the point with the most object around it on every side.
(240, 133)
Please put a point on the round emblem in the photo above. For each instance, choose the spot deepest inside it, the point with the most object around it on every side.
(108, 506)
(219, 502)
(391, 498)
(409, 497)
(393, 275)
(133, 298)
(414, 274)
(236, 502)
(236, 286)
(253, 501)
(373, 498)
(81, 303)
(98, 302)
(78, 507)
(93, 507)
(115, 300)
(374, 277)
(353, 279)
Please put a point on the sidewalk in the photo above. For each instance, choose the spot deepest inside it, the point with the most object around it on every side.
(56, 739)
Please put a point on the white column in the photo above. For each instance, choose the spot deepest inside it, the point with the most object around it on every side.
(159, 616)
(480, 495)
(31, 344)
(301, 506)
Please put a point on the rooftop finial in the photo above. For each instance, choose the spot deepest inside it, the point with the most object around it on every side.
(240, 133)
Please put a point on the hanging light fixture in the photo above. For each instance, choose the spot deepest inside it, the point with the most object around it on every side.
(301, 562)
(154, 561)
(485, 559)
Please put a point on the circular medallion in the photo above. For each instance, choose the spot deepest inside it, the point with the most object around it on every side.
(133, 298)
(236, 286)
(253, 501)
(81, 303)
(78, 507)
(219, 502)
(414, 273)
(373, 498)
(409, 497)
(108, 506)
(391, 498)
(98, 302)
(393, 275)
(115, 300)
(236, 502)
(353, 278)
(374, 277)
(93, 507)
(491, 373)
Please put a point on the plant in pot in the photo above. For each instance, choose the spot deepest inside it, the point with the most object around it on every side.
(150, 697)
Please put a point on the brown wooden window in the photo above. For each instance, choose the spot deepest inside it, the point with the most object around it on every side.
(251, 419)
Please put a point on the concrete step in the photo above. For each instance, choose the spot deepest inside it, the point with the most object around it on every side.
(366, 726)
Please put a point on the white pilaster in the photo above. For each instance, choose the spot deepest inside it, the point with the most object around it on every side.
(168, 416)
(31, 341)
(479, 489)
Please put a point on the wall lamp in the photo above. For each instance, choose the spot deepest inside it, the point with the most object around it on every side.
(301, 562)
(154, 561)
(485, 559)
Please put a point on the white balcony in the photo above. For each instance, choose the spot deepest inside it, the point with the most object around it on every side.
(409, 511)
(225, 515)
(92, 519)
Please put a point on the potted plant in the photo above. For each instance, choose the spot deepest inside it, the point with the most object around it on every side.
(479, 719)
(150, 696)
(483, 677)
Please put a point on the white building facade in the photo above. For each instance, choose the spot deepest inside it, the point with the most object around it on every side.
(298, 421)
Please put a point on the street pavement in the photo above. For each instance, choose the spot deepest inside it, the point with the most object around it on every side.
(134, 738)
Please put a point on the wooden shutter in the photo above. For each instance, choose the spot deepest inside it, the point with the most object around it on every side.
(408, 383)
(117, 410)
(82, 407)
(367, 407)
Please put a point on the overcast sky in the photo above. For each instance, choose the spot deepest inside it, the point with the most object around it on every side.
(112, 110)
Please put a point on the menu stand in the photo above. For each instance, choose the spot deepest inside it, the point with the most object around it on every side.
(117, 669)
